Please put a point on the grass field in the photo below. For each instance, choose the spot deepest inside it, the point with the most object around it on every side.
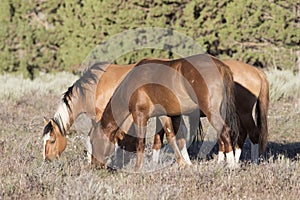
(24, 175)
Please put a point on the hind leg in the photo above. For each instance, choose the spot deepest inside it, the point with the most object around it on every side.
(250, 127)
(221, 153)
(224, 140)
(140, 125)
(254, 138)
(157, 145)
(169, 130)
(181, 132)
(240, 142)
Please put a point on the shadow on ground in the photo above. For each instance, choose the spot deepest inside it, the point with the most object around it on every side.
(273, 150)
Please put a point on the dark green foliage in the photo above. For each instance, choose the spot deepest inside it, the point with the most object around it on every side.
(50, 36)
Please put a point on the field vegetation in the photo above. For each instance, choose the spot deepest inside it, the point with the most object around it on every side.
(43, 44)
(47, 36)
(24, 175)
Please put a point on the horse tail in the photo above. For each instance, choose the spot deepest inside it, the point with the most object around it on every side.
(262, 106)
(231, 117)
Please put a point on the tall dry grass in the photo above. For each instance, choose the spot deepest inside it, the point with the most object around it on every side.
(24, 175)
(284, 85)
(15, 86)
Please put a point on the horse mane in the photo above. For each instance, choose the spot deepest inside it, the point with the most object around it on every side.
(89, 77)
(47, 128)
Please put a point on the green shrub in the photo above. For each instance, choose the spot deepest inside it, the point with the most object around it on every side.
(49, 36)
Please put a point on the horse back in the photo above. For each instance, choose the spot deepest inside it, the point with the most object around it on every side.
(107, 84)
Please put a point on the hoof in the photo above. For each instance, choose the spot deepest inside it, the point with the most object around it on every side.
(233, 166)
(182, 164)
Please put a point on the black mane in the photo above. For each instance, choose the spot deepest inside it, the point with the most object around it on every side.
(47, 128)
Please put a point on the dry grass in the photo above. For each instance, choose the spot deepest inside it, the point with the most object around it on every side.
(25, 176)
(14, 87)
(283, 85)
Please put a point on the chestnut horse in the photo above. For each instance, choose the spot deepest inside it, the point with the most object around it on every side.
(160, 87)
(251, 90)
(88, 95)
(81, 98)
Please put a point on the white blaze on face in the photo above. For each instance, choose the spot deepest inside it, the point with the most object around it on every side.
(45, 138)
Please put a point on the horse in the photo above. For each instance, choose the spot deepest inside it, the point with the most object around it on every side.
(80, 98)
(170, 88)
(88, 95)
(251, 92)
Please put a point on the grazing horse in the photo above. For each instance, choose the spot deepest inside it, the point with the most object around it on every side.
(81, 98)
(251, 90)
(90, 95)
(160, 87)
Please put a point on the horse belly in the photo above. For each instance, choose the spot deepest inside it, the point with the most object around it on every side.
(187, 105)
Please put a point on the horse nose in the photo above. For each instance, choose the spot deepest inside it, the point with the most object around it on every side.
(48, 158)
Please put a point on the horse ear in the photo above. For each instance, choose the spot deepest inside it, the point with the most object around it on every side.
(52, 123)
(46, 120)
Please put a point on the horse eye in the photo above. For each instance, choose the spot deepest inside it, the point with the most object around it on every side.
(52, 141)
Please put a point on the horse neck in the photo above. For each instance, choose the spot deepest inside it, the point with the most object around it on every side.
(63, 117)
(71, 107)
(110, 120)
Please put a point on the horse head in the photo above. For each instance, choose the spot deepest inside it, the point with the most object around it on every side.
(102, 145)
(54, 141)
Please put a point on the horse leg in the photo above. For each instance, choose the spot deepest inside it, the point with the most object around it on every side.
(225, 136)
(181, 132)
(140, 124)
(254, 138)
(88, 145)
(252, 130)
(240, 142)
(168, 128)
(157, 145)
(221, 156)
(224, 140)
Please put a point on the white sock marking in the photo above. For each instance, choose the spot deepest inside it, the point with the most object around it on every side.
(230, 159)
(221, 157)
(185, 155)
(45, 138)
(237, 155)
(155, 155)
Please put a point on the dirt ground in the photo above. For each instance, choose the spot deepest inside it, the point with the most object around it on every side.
(24, 175)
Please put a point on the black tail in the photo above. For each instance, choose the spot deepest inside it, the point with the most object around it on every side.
(231, 118)
(262, 112)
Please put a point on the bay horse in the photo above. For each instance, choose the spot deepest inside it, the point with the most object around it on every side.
(157, 87)
(251, 92)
